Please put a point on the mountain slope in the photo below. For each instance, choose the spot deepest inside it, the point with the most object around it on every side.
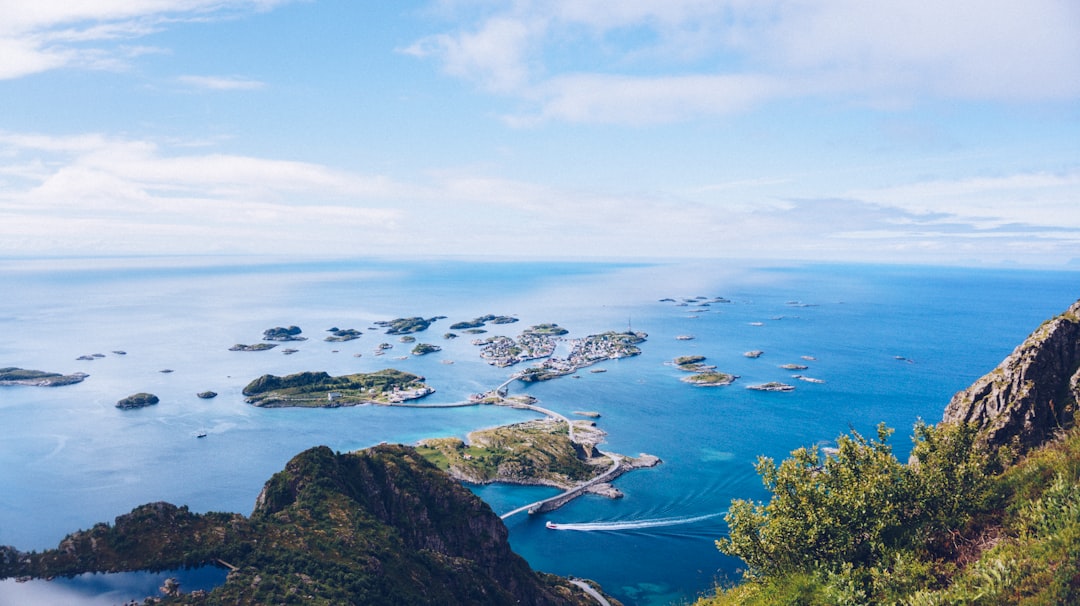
(381, 526)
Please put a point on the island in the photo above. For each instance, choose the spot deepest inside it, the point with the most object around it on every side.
(422, 349)
(772, 386)
(482, 321)
(548, 329)
(692, 363)
(794, 366)
(138, 400)
(754, 353)
(503, 351)
(554, 451)
(710, 379)
(610, 345)
(320, 390)
(280, 333)
(536, 452)
(254, 347)
(342, 334)
(402, 326)
(37, 378)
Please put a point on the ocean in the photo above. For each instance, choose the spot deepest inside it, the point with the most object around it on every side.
(889, 343)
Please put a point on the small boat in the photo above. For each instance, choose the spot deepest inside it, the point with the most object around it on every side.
(201, 434)
(552, 526)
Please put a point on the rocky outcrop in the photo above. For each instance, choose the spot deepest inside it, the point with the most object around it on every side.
(1032, 393)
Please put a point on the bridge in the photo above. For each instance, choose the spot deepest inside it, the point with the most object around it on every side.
(557, 501)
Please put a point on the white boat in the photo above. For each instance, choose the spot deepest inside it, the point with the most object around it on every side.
(552, 526)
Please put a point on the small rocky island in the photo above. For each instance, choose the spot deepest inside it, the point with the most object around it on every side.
(255, 347)
(772, 386)
(37, 378)
(404, 326)
(710, 378)
(423, 349)
(482, 321)
(705, 375)
(138, 400)
(281, 333)
(320, 390)
(338, 335)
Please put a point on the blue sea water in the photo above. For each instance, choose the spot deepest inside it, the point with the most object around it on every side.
(891, 344)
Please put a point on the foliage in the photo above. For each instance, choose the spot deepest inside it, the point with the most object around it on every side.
(950, 527)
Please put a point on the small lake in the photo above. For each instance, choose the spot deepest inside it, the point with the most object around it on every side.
(107, 589)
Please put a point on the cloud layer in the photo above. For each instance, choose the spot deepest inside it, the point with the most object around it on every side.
(639, 61)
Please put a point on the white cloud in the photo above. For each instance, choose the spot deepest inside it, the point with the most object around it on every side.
(64, 194)
(1031, 199)
(41, 35)
(495, 55)
(632, 100)
(889, 53)
(222, 82)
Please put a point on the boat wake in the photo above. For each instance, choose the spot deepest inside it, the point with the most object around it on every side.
(631, 525)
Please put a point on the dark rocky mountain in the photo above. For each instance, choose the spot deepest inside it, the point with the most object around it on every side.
(1032, 393)
(380, 526)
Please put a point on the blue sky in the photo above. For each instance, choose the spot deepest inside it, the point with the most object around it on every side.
(901, 131)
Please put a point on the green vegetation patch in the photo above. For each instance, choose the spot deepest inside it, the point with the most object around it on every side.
(319, 389)
(534, 452)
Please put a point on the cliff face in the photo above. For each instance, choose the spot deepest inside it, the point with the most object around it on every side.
(1032, 393)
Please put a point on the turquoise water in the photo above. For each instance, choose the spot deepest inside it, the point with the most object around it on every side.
(71, 459)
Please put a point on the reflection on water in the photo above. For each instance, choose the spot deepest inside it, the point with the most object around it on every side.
(106, 589)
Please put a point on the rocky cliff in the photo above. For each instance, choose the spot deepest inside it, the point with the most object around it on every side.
(1032, 393)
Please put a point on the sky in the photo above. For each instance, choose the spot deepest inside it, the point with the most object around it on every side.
(896, 131)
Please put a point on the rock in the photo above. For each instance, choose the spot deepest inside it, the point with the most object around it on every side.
(206, 395)
(138, 400)
(1032, 393)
